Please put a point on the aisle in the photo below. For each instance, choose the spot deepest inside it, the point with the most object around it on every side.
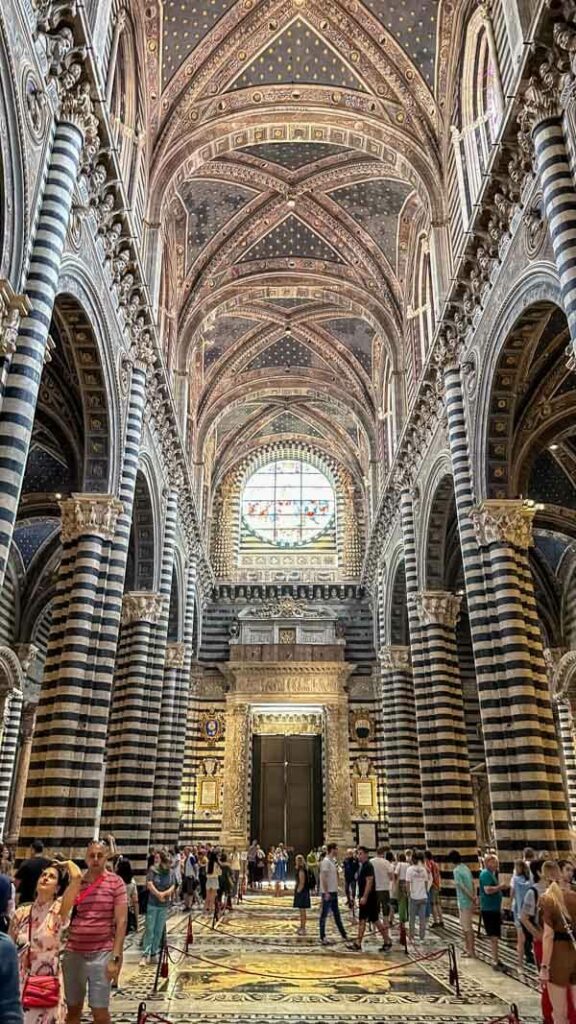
(254, 968)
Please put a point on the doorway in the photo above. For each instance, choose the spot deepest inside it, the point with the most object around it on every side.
(287, 792)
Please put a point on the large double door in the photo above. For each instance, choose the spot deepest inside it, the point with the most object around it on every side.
(287, 792)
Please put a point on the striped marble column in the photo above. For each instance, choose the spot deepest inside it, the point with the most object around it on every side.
(8, 750)
(169, 757)
(444, 764)
(516, 772)
(69, 738)
(23, 379)
(521, 717)
(401, 760)
(542, 111)
(133, 730)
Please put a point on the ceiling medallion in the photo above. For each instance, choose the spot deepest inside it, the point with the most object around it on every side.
(257, 97)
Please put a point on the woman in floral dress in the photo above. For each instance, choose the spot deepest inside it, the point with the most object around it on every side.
(37, 931)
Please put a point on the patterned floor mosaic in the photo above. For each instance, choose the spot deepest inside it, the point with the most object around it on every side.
(253, 969)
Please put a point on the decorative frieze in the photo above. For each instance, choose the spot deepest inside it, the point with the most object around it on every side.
(438, 607)
(142, 606)
(395, 658)
(175, 655)
(93, 514)
(504, 522)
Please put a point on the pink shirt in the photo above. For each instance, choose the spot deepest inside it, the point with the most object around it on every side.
(93, 926)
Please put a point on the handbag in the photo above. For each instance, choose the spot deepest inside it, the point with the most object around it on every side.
(40, 991)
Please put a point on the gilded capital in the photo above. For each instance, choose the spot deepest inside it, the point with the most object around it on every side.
(90, 514)
(141, 606)
(503, 522)
(395, 658)
(175, 655)
(438, 607)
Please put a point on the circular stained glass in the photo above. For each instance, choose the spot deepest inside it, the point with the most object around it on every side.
(288, 503)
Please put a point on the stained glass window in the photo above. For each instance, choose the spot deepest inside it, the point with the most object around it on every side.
(288, 503)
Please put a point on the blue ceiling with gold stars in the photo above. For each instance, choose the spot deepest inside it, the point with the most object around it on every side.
(375, 205)
(298, 56)
(356, 334)
(291, 238)
(286, 352)
(210, 206)
(415, 27)
(183, 27)
(294, 155)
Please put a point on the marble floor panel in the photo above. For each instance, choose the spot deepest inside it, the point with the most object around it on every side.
(252, 968)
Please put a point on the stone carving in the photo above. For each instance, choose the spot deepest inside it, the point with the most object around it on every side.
(288, 608)
(175, 655)
(338, 812)
(89, 514)
(438, 607)
(12, 308)
(27, 655)
(287, 724)
(535, 228)
(361, 725)
(543, 92)
(34, 105)
(235, 798)
(504, 522)
(142, 606)
(396, 659)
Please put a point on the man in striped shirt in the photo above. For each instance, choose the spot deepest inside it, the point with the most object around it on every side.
(93, 956)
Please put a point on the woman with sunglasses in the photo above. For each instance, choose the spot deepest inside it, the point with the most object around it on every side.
(36, 929)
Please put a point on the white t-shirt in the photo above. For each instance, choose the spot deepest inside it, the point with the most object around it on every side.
(328, 875)
(401, 869)
(419, 881)
(383, 873)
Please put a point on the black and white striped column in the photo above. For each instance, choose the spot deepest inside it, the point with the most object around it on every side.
(542, 110)
(516, 773)
(63, 789)
(165, 816)
(133, 730)
(401, 760)
(23, 379)
(8, 749)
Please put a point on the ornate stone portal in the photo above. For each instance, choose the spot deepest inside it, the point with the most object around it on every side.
(286, 697)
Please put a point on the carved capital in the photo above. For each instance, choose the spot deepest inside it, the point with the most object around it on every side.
(143, 350)
(175, 655)
(12, 308)
(503, 522)
(93, 514)
(142, 606)
(27, 654)
(542, 96)
(395, 658)
(438, 607)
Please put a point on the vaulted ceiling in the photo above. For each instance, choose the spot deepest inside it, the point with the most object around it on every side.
(296, 162)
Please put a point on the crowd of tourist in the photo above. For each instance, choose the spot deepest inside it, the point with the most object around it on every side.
(66, 926)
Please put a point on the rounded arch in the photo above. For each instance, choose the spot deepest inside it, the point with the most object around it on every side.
(142, 569)
(396, 617)
(438, 526)
(11, 674)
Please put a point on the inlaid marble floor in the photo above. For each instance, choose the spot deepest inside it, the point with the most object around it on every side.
(252, 967)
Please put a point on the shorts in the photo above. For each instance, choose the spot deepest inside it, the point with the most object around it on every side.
(86, 970)
(383, 901)
(465, 915)
(189, 885)
(368, 911)
(212, 883)
(492, 923)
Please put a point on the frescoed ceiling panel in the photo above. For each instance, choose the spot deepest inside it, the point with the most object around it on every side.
(291, 238)
(286, 352)
(356, 334)
(227, 331)
(294, 155)
(210, 205)
(375, 205)
(415, 27)
(298, 56)
(184, 26)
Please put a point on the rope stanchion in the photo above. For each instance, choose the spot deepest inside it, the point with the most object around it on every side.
(509, 1018)
(144, 1016)
(189, 935)
(162, 969)
(454, 976)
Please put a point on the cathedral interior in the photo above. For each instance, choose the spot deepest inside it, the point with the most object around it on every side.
(288, 451)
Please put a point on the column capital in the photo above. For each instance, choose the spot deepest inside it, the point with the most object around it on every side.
(142, 606)
(497, 521)
(26, 654)
(542, 98)
(395, 658)
(438, 607)
(143, 349)
(12, 308)
(94, 514)
(175, 655)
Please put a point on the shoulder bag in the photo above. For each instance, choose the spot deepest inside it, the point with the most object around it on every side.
(40, 991)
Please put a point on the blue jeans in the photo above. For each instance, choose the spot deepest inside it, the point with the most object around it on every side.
(417, 910)
(154, 930)
(327, 906)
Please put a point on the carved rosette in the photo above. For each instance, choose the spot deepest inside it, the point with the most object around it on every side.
(142, 606)
(504, 522)
(438, 607)
(95, 515)
(175, 655)
(395, 659)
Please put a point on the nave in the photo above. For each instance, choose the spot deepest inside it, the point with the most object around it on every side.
(252, 968)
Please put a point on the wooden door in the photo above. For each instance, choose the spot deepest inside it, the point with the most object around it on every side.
(287, 792)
